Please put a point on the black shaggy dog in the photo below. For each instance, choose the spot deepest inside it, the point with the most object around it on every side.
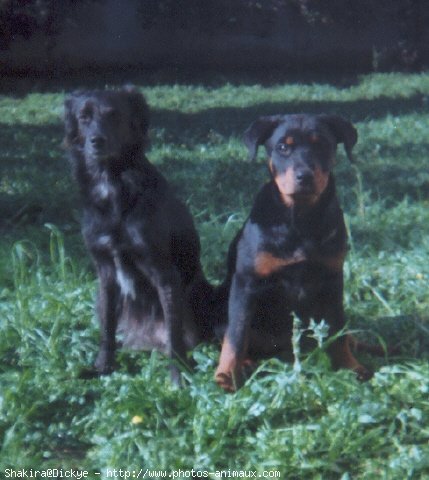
(141, 237)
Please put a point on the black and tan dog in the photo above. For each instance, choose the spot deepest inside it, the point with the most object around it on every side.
(289, 255)
(141, 237)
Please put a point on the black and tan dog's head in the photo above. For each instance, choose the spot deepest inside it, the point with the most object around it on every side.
(301, 150)
(106, 124)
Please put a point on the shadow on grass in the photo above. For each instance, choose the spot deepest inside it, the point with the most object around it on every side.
(407, 334)
(229, 121)
(35, 176)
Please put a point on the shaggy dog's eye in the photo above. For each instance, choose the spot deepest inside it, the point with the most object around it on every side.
(85, 115)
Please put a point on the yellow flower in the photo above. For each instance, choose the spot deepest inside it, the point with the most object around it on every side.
(136, 419)
(419, 276)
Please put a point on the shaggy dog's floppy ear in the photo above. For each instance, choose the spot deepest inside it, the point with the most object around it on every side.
(70, 120)
(343, 131)
(259, 132)
(139, 113)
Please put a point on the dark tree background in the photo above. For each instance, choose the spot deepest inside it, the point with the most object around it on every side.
(387, 34)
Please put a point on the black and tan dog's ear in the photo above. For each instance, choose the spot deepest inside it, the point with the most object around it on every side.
(343, 131)
(139, 112)
(259, 132)
(70, 121)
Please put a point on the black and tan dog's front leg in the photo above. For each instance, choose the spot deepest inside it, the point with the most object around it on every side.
(107, 309)
(333, 312)
(229, 373)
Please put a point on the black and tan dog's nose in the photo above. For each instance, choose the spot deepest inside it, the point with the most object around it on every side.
(304, 177)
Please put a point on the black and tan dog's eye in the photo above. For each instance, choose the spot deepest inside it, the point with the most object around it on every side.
(284, 149)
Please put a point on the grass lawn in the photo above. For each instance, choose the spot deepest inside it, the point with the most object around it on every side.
(303, 420)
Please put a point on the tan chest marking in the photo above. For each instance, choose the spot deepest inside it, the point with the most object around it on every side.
(266, 263)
